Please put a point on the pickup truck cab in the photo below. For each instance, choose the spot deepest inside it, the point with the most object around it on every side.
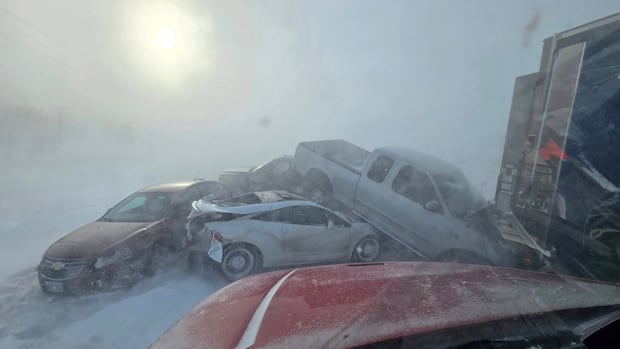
(419, 200)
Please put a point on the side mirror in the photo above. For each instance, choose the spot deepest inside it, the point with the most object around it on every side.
(330, 224)
(432, 206)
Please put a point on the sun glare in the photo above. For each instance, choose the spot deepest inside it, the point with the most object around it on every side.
(166, 38)
(167, 44)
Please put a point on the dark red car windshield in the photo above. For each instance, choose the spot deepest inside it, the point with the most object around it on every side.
(140, 207)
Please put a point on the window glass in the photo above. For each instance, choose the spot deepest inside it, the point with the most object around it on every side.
(414, 185)
(380, 168)
(135, 202)
(140, 207)
(282, 167)
(337, 221)
(212, 191)
(271, 216)
(193, 193)
(304, 215)
(460, 197)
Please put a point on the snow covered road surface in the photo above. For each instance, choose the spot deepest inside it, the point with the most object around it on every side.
(37, 207)
(131, 318)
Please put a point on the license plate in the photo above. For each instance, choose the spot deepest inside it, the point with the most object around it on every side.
(54, 286)
(215, 250)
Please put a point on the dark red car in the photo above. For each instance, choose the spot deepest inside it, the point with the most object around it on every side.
(121, 246)
(402, 305)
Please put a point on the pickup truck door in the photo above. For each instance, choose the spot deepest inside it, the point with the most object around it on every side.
(306, 237)
(370, 185)
(409, 209)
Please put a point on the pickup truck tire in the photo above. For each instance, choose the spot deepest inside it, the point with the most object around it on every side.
(316, 187)
(367, 249)
(239, 261)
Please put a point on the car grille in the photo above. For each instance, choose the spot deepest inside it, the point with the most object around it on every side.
(61, 268)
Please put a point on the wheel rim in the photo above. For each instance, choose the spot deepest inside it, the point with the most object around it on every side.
(367, 250)
(238, 262)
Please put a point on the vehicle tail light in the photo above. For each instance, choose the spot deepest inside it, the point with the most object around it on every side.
(217, 236)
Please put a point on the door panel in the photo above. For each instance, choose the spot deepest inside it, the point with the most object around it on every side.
(370, 184)
(306, 237)
(401, 212)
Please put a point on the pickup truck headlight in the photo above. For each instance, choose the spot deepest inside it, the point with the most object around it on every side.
(117, 256)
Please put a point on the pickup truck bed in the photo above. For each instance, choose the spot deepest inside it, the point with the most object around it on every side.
(341, 152)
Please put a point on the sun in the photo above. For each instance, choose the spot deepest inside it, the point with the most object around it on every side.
(166, 38)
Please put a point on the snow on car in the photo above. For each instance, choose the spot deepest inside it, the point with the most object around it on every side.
(276, 229)
(401, 305)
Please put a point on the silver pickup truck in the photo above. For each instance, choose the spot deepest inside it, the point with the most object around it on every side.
(419, 200)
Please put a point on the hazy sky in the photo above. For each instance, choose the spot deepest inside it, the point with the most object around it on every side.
(246, 81)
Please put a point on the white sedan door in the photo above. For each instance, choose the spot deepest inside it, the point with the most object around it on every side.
(306, 237)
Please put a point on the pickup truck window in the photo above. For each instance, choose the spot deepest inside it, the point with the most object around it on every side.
(380, 168)
(414, 185)
(460, 197)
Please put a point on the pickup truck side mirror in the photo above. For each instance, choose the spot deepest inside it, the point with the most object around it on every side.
(432, 206)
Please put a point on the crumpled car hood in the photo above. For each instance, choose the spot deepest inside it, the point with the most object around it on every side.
(201, 207)
(93, 239)
(346, 306)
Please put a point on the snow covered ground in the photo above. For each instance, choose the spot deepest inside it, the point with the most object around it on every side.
(131, 318)
(38, 206)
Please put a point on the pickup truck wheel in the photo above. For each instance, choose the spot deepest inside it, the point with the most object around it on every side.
(317, 195)
(239, 261)
(367, 250)
(317, 188)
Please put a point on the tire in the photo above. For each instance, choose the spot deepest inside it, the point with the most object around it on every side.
(316, 187)
(239, 261)
(367, 249)
(318, 195)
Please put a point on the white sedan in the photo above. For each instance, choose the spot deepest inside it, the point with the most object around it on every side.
(276, 229)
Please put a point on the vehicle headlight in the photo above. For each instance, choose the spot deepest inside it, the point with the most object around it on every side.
(117, 256)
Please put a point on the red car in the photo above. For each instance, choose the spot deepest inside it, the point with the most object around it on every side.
(118, 248)
(394, 305)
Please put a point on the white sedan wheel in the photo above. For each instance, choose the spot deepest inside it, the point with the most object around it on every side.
(238, 262)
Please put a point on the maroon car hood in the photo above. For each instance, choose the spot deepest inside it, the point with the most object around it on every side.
(93, 238)
(345, 306)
